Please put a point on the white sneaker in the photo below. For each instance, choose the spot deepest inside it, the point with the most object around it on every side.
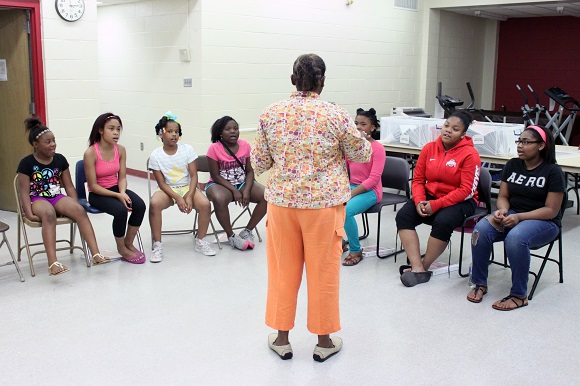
(239, 243)
(203, 247)
(157, 254)
(247, 234)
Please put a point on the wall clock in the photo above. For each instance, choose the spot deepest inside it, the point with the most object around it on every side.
(70, 10)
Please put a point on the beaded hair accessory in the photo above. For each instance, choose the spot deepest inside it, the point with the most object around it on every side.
(42, 132)
(111, 117)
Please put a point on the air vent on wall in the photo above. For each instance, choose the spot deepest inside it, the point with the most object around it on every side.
(410, 5)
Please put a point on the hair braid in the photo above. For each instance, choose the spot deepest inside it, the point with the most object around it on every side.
(308, 71)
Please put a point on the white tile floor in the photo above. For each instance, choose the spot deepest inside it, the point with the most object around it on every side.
(193, 319)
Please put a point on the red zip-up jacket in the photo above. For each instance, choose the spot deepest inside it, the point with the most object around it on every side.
(451, 176)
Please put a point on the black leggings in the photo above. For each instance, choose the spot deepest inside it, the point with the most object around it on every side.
(115, 208)
(443, 222)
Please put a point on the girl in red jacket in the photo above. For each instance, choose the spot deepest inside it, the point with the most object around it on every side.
(444, 193)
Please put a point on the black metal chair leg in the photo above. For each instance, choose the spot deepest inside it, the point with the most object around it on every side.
(461, 254)
(365, 222)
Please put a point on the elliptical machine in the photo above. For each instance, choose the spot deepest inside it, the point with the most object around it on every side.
(561, 128)
(567, 103)
(450, 104)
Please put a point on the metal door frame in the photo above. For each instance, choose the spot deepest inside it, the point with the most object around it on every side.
(35, 47)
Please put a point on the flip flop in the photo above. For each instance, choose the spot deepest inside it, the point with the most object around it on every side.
(104, 260)
(138, 252)
(477, 288)
(138, 259)
(59, 265)
(511, 297)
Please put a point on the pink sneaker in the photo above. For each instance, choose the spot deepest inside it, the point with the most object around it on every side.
(239, 243)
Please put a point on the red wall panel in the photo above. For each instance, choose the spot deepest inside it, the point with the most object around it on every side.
(542, 52)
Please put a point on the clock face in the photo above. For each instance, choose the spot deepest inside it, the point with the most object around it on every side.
(70, 10)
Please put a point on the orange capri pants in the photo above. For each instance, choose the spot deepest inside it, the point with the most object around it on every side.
(296, 237)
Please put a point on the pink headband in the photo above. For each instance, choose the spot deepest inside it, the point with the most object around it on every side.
(540, 131)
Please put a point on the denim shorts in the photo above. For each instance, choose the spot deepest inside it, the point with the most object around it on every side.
(210, 183)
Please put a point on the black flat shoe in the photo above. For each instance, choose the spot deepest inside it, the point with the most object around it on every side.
(402, 269)
(411, 279)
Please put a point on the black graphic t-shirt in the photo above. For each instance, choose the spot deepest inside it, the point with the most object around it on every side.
(528, 189)
(44, 179)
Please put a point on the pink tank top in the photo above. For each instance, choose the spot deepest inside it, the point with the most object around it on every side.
(107, 171)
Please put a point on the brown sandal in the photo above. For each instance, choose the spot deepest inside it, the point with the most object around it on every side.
(352, 259)
(524, 302)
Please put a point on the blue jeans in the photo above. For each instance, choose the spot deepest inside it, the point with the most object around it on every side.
(517, 241)
(356, 205)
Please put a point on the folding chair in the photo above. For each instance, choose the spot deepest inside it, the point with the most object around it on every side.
(545, 257)
(395, 176)
(3, 228)
(193, 229)
(573, 180)
(80, 187)
(80, 181)
(60, 220)
(484, 193)
(203, 166)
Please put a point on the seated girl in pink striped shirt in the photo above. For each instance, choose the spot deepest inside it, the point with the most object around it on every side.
(232, 180)
(365, 183)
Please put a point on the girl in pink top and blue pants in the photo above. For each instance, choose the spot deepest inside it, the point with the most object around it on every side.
(365, 183)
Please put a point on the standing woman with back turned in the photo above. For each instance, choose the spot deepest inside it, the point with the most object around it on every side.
(304, 141)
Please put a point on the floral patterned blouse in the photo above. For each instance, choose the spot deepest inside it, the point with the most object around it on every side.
(304, 140)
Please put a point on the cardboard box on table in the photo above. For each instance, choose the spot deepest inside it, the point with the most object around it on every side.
(412, 131)
(495, 138)
(488, 138)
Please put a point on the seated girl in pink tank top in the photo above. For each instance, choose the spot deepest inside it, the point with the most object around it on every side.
(107, 172)
(105, 168)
